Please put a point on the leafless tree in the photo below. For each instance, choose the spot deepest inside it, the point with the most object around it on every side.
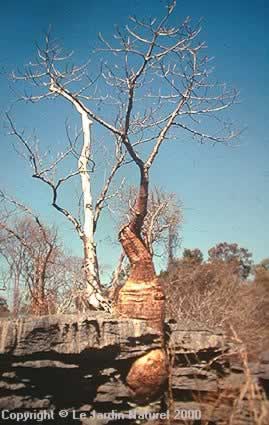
(154, 84)
(30, 249)
(164, 85)
(162, 80)
(48, 75)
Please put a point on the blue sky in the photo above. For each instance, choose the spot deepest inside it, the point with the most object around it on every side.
(224, 189)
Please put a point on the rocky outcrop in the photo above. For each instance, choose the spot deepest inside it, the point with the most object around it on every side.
(81, 364)
(76, 335)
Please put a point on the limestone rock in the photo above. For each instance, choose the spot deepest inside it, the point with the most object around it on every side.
(87, 362)
(76, 334)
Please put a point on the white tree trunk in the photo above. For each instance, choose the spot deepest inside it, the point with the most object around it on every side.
(95, 297)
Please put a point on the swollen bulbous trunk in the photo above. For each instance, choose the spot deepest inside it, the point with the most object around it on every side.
(142, 298)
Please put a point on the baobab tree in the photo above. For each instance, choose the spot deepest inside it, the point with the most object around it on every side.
(164, 85)
(155, 86)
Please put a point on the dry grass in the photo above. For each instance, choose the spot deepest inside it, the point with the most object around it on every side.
(258, 406)
(216, 297)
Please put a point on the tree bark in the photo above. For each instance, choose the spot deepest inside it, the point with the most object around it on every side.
(142, 268)
(95, 297)
(142, 298)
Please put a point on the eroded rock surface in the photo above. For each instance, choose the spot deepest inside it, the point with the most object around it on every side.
(81, 363)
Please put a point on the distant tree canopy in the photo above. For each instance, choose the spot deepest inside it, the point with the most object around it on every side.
(194, 256)
(224, 255)
(231, 253)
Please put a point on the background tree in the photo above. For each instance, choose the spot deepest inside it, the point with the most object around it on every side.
(30, 249)
(231, 253)
(192, 256)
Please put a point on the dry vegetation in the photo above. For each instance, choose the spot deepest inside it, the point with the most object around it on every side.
(217, 294)
(213, 293)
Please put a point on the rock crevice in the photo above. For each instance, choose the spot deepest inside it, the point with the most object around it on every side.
(83, 363)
